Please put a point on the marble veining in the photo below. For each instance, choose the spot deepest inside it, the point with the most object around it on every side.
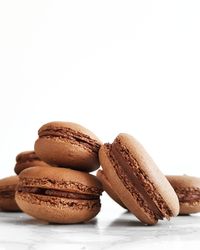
(115, 230)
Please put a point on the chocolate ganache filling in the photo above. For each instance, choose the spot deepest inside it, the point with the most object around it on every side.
(57, 193)
(8, 192)
(187, 195)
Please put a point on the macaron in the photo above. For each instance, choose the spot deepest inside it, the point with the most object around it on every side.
(27, 159)
(137, 181)
(7, 194)
(108, 188)
(67, 144)
(187, 189)
(58, 195)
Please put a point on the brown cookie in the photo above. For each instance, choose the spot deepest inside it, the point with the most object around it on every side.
(28, 159)
(7, 194)
(59, 195)
(68, 145)
(137, 181)
(187, 189)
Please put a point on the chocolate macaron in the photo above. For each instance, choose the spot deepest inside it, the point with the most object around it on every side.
(67, 144)
(27, 159)
(138, 182)
(7, 194)
(187, 189)
(59, 195)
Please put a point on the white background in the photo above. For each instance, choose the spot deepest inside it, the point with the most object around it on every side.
(112, 66)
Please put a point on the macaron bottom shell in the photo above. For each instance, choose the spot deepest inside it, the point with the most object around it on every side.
(189, 208)
(63, 153)
(56, 209)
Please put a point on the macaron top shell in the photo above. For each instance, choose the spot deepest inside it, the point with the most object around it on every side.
(148, 170)
(71, 131)
(184, 181)
(48, 127)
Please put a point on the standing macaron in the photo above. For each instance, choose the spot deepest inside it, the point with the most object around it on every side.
(67, 144)
(58, 195)
(187, 189)
(7, 194)
(27, 159)
(137, 181)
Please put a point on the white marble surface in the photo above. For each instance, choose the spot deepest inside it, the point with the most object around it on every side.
(112, 229)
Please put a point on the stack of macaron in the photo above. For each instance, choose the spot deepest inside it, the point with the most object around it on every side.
(60, 189)
(54, 184)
